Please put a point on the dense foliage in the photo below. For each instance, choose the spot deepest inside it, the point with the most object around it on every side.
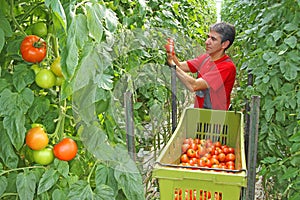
(267, 47)
(96, 51)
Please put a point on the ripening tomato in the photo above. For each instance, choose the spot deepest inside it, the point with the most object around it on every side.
(33, 49)
(66, 149)
(37, 138)
(55, 67)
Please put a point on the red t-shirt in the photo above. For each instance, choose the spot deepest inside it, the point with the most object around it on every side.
(220, 77)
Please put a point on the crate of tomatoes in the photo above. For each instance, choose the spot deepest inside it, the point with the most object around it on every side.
(205, 157)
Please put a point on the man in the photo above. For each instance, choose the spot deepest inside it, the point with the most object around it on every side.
(216, 71)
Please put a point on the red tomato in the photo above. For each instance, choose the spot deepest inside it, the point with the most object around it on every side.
(191, 153)
(194, 146)
(218, 144)
(185, 147)
(231, 150)
(65, 150)
(230, 157)
(184, 158)
(33, 49)
(214, 161)
(222, 157)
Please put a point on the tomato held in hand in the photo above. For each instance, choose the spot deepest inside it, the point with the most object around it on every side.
(33, 49)
(65, 150)
(37, 138)
(44, 156)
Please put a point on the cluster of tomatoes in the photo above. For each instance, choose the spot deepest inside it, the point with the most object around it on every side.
(39, 150)
(34, 50)
(205, 153)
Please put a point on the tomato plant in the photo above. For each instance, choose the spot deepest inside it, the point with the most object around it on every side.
(43, 157)
(33, 49)
(65, 150)
(45, 79)
(37, 138)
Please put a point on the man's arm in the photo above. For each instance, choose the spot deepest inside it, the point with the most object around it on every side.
(190, 82)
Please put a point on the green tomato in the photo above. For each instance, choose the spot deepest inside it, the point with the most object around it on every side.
(59, 80)
(44, 156)
(45, 79)
(39, 29)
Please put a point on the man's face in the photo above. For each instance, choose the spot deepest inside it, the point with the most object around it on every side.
(213, 43)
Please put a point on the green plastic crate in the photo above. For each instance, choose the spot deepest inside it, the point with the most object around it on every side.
(224, 126)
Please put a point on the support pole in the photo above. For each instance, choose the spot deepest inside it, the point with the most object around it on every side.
(174, 101)
(129, 124)
(252, 147)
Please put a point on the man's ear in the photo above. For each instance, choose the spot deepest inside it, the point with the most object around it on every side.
(225, 44)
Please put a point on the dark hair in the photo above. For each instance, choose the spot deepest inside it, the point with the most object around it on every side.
(226, 30)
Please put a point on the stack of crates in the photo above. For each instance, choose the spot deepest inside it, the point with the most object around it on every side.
(199, 184)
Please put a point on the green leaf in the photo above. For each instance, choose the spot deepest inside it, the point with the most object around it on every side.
(14, 125)
(26, 183)
(104, 81)
(59, 195)
(3, 184)
(22, 76)
(111, 20)
(58, 10)
(5, 25)
(62, 167)
(104, 192)
(7, 153)
(295, 161)
(95, 140)
(48, 179)
(277, 35)
(295, 137)
(80, 190)
(291, 41)
(269, 160)
(291, 71)
(290, 27)
(95, 14)
(72, 57)
(2, 39)
(105, 175)
(128, 176)
(39, 107)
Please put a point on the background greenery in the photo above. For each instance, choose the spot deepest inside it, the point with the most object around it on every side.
(267, 47)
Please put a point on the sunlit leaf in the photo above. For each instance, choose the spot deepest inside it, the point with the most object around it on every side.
(291, 41)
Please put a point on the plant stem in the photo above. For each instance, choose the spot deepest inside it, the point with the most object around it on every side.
(92, 170)
(13, 17)
(19, 169)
